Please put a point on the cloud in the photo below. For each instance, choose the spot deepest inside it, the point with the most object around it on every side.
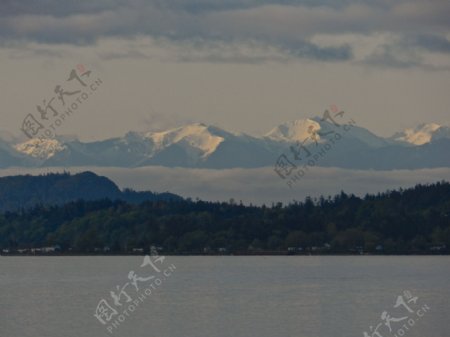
(432, 43)
(312, 51)
(260, 185)
(288, 26)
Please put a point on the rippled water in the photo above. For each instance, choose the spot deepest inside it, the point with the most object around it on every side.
(225, 296)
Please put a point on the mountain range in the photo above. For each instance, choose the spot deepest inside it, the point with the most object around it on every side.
(202, 146)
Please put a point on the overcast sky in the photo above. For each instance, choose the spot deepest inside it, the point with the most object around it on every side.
(241, 65)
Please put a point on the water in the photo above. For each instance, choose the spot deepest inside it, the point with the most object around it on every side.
(225, 296)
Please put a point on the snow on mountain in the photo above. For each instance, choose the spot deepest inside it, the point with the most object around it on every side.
(298, 130)
(422, 134)
(40, 148)
(202, 146)
(196, 138)
(199, 145)
(315, 130)
(442, 133)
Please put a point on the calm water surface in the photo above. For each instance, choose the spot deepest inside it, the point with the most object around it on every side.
(226, 296)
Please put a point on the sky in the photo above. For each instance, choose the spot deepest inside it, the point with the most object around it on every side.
(242, 65)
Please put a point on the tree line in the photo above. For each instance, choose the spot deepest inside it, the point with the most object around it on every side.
(415, 220)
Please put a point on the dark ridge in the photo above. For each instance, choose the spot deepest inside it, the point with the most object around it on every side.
(26, 191)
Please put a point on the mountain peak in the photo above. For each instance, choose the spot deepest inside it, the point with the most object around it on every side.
(296, 130)
(422, 134)
(40, 148)
(197, 136)
(202, 145)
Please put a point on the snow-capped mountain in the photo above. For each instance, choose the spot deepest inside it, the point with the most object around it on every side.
(40, 149)
(190, 144)
(298, 130)
(201, 146)
(315, 129)
(198, 138)
(422, 134)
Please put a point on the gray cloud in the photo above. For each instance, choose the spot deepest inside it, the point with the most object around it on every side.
(312, 51)
(257, 186)
(50, 7)
(432, 43)
(287, 25)
(388, 56)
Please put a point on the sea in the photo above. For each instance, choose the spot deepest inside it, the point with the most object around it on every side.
(225, 296)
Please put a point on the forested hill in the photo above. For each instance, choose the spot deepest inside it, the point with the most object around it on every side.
(17, 192)
(415, 220)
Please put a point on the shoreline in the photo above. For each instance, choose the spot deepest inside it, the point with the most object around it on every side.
(222, 255)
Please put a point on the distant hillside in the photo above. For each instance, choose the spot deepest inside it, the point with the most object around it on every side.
(17, 192)
(413, 221)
